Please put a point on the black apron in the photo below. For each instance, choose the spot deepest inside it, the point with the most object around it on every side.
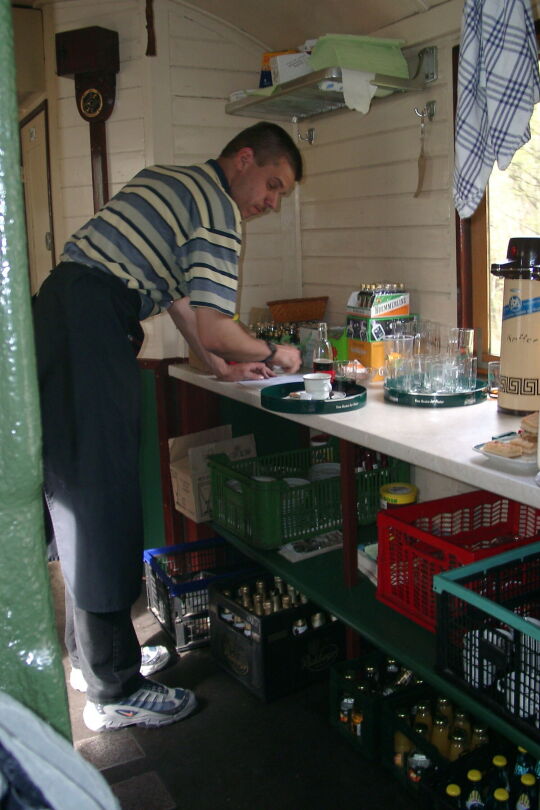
(86, 327)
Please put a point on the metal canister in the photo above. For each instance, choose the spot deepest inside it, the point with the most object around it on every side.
(519, 391)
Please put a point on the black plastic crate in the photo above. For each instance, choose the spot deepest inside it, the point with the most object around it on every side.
(364, 737)
(488, 640)
(271, 661)
(177, 580)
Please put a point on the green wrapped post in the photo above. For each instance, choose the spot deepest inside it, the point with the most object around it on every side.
(31, 663)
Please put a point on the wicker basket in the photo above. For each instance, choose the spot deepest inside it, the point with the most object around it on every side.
(298, 309)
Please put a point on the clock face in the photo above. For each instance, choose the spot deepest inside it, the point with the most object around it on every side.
(91, 103)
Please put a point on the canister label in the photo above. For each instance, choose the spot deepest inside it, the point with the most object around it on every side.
(520, 346)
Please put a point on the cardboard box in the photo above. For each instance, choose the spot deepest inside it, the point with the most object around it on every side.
(369, 354)
(190, 476)
(381, 304)
(289, 66)
(266, 71)
(372, 330)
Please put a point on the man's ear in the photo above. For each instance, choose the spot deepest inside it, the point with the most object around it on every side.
(244, 158)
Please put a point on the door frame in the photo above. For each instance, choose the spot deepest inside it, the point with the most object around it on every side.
(41, 107)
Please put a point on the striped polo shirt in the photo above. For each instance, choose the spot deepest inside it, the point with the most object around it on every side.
(170, 232)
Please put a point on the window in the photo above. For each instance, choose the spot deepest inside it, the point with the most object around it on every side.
(509, 208)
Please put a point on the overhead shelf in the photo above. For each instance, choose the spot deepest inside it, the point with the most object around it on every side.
(307, 97)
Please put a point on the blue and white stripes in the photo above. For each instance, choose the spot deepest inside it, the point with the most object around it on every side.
(168, 233)
(498, 86)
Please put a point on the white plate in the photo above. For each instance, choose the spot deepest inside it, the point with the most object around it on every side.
(522, 465)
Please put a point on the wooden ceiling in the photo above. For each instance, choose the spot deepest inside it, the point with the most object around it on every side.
(282, 24)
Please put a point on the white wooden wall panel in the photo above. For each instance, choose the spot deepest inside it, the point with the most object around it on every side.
(209, 60)
(359, 219)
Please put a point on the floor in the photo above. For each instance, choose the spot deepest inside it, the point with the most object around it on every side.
(235, 751)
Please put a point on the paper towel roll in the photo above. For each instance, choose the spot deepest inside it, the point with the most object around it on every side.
(357, 89)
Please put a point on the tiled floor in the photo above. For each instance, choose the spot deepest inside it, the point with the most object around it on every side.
(236, 751)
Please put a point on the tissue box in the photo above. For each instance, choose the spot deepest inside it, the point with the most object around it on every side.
(289, 66)
(190, 476)
(369, 54)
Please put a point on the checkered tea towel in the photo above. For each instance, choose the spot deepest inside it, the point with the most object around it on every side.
(498, 86)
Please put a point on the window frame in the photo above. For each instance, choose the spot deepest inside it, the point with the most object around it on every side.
(472, 255)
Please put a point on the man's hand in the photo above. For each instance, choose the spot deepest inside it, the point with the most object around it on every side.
(287, 357)
(245, 371)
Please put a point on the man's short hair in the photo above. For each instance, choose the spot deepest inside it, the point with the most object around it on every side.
(269, 143)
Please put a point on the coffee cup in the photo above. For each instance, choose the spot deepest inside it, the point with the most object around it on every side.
(318, 385)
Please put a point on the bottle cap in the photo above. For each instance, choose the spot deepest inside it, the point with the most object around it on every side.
(501, 795)
(473, 775)
(398, 493)
(453, 790)
(499, 760)
(528, 779)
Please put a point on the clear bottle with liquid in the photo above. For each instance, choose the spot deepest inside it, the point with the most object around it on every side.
(323, 355)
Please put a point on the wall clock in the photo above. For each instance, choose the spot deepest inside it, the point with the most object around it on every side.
(91, 57)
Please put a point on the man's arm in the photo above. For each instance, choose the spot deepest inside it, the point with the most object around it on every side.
(216, 339)
(225, 337)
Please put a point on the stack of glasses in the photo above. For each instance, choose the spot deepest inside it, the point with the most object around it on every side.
(428, 358)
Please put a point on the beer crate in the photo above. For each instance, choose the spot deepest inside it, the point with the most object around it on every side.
(488, 639)
(344, 676)
(177, 580)
(417, 542)
(266, 655)
(252, 498)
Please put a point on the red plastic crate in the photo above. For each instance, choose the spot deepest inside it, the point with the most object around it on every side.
(416, 542)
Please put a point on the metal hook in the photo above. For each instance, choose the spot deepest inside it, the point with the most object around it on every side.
(309, 137)
(428, 111)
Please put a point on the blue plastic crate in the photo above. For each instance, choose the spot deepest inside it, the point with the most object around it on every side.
(177, 580)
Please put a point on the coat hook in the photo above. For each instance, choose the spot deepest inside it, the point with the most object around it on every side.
(309, 137)
(428, 111)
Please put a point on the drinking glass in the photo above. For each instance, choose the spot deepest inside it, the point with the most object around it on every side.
(397, 351)
(461, 341)
(494, 378)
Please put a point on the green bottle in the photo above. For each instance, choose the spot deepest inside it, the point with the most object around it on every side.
(473, 791)
(500, 799)
(526, 796)
(453, 796)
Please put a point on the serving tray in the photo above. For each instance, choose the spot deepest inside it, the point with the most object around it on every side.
(276, 398)
(438, 400)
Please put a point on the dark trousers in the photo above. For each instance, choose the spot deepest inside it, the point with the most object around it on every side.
(85, 324)
(105, 647)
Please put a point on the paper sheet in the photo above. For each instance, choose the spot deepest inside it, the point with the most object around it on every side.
(357, 89)
(279, 380)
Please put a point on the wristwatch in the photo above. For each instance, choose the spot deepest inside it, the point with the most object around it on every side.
(272, 348)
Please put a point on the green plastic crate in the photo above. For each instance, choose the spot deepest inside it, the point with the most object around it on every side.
(269, 514)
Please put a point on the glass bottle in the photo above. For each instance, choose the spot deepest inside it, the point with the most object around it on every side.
(357, 719)
(461, 720)
(389, 674)
(417, 765)
(444, 707)
(524, 763)
(497, 777)
(457, 745)
(323, 356)
(473, 791)
(423, 715)
(479, 737)
(345, 709)
(439, 735)
(370, 677)
(453, 796)
(526, 797)
(402, 743)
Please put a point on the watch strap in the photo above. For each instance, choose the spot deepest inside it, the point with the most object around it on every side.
(272, 348)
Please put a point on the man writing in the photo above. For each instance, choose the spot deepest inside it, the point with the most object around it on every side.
(169, 240)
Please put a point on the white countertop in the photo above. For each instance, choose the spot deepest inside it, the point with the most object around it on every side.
(440, 440)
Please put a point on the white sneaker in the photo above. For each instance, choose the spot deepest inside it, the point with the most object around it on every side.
(152, 660)
(152, 705)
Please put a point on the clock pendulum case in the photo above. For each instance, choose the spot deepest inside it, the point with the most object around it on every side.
(91, 57)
